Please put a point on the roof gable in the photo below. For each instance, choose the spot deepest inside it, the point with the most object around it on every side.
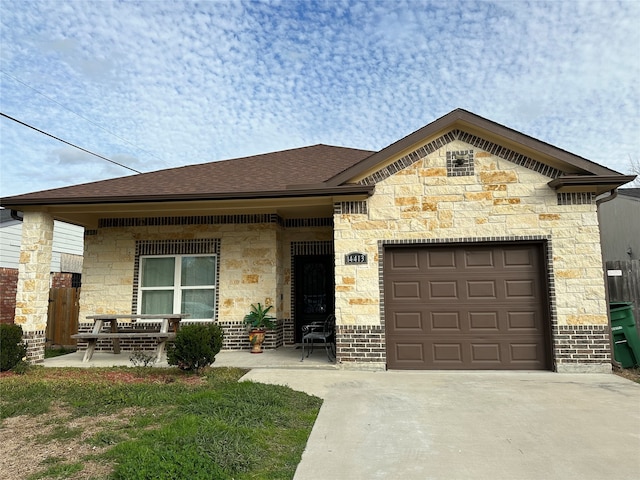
(477, 131)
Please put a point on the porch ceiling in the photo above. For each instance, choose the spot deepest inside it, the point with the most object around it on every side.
(88, 215)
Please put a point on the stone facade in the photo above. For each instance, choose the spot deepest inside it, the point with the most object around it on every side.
(254, 265)
(425, 196)
(457, 188)
(423, 201)
(32, 297)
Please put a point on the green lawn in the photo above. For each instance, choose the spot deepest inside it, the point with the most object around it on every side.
(144, 423)
(56, 352)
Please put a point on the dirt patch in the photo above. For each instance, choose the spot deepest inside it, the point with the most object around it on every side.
(24, 449)
(98, 375)
(31, 444)
(632, 374)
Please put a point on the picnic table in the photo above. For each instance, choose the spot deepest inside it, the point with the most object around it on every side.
(169, 325)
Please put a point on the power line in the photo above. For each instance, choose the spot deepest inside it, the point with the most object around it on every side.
(68, 143)
(82, 117)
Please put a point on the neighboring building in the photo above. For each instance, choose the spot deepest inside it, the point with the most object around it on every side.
(66, 258)
(620, 236)
(620, 226)
(465, 245)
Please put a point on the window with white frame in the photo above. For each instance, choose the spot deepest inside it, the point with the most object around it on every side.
(178, 284)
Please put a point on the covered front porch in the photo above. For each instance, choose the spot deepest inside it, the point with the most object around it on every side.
(283, 357)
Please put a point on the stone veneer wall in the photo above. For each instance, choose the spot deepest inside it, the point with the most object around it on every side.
(247, 265)
(254, 265)
(32, 298)
(246, 259)
(415, 200)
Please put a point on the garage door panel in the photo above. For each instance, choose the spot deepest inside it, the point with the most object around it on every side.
(520, 289)
(408, 322)
(445, 321)
(406, 261)
(482, 353)
(443, 290)
(468, 353)
(475, 259)
(519, 257)
(524, 351)
(524, 320)
(409, 353)
(466, 307)
(441, 260)
(446, 353)
(486, 321)
(481, 289)
(406, 290)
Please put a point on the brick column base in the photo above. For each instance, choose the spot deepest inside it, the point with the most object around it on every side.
(582, 349)
(35, 341)
(237, 338)
(361, 346)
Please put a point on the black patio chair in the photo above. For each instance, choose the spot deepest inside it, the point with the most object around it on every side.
(323, 331)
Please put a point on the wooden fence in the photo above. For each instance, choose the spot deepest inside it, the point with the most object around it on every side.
(624, 284)
(63, 316)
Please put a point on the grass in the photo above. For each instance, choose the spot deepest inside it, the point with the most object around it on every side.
(56, 352)
(163, 423)
(58, 470)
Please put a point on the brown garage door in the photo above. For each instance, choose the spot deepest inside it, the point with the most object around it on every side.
(465, 307)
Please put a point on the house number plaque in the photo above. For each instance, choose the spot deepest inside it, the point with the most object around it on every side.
(355, 258)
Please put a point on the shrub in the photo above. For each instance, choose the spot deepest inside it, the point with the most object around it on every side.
(142, 359)
(195, 346)
(12, 348)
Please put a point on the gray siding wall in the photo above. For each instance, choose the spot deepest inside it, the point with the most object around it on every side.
(67, 239)
(620, 228)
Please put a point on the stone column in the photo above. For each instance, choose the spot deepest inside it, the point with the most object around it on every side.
(32, 296)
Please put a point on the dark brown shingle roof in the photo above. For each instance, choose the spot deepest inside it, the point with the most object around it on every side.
(271, 172)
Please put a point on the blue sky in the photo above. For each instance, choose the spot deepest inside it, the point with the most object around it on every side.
(158, 84)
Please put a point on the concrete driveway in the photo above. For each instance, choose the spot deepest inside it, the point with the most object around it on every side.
(462, 425)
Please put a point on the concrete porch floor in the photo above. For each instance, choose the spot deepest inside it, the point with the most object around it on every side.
(283, 357)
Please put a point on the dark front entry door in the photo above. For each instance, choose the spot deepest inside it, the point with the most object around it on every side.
(314, 290)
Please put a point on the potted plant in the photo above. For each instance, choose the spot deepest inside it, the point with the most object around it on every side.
(258, 321)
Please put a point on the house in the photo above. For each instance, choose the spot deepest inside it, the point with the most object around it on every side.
(619, 222)
(465, 245)
(66, 258)
(620, 226)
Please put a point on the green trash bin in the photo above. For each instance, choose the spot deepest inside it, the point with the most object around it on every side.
(626, 342)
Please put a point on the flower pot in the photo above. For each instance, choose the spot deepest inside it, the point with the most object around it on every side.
(256, 337)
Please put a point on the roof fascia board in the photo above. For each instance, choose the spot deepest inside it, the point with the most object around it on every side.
(597, 183)
(321, 190)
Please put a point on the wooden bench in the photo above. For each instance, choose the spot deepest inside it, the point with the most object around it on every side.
(167, 323)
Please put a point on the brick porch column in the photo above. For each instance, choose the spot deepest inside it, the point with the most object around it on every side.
(32, 296)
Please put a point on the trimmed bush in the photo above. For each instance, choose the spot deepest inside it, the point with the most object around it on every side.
(195, 346)
(12, 348)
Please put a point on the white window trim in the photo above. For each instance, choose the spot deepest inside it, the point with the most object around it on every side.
(177, 288)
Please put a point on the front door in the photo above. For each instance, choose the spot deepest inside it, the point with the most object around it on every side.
(314, 290)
